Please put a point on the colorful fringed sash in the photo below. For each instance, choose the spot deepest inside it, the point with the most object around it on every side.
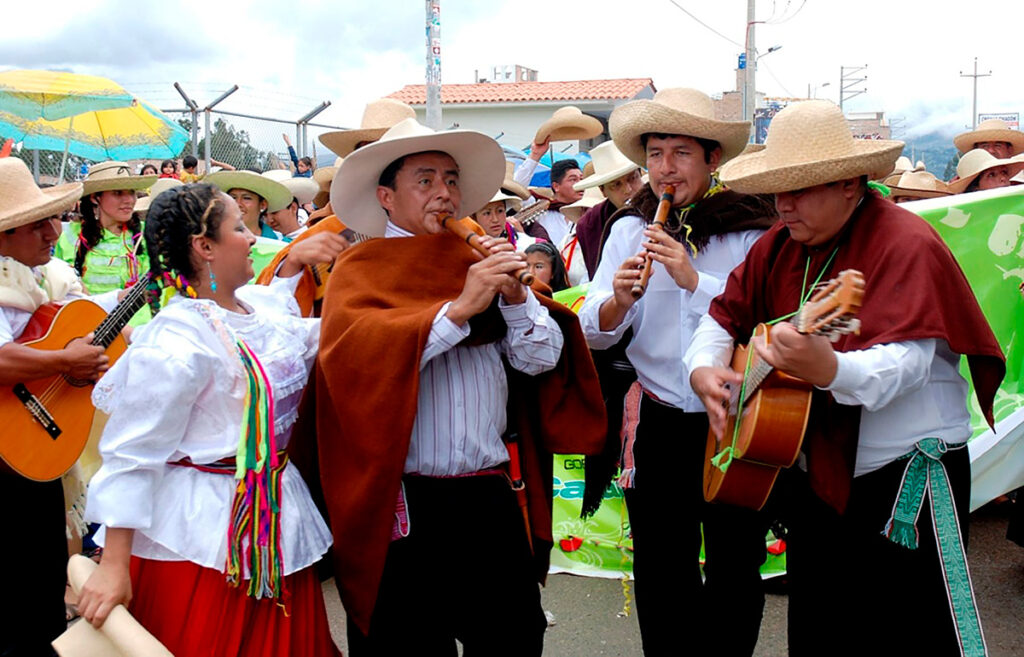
(254, 532)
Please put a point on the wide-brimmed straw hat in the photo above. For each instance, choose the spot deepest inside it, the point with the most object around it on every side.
(510, 185)
(568, 123)
(809, 143)
(918, 184)
(990, 130)
(302, 189)
(675, 111)
(976, 162)
(159, 187)
(480, 160)
(591, 197)
(107, 176)
(378, 117)
(274, 193)
(609, 164)
(21, 200)
(323, 177)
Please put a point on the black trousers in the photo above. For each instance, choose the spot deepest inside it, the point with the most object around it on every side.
(32, 608)
(852, 590)
(677, 612)
(464, 572)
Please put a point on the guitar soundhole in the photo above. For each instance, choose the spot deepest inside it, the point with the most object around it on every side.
(77, 383)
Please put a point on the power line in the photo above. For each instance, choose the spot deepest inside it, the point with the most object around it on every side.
(688, 13)
(777, 81)
(785, 19)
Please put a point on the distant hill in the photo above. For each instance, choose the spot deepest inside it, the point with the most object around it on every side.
(935, 148)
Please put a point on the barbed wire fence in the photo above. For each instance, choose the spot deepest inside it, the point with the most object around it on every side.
(240, 139)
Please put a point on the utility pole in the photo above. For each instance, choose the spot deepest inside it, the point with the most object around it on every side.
(847, 83)
(749, 81)
(433, 64)
(975, 75)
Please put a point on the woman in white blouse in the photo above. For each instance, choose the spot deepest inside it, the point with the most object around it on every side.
(209, 533)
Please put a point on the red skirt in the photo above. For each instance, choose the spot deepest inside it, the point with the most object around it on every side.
(194, 612)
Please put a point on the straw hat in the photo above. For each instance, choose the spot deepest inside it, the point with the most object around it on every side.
(274, 193)
(107, 176)
(568, 123)
(918, 184)
(675, 111)
(976, 162)
(354, 190)
(21, 200)
(510, 185)
(990, 130)
(809, 143)
(609, 164)
(159, 187)
(323, 177)
(378, 117)
(302, 189)
(591, 197)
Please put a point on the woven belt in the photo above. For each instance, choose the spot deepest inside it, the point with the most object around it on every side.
(926, 473)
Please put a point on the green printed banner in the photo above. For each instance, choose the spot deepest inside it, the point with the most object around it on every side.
(985, 231)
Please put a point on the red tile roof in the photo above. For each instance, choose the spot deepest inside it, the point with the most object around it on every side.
(520, 92)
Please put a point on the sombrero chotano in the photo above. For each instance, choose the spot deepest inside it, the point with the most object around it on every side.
(107, 176)
(323, 177)
(302, 189)
(378, 117)
(809, 143)
(510, 185)
(159, 187)
(274, 193)
(976, 162)
(568, 123)
(480, 160)
(918, 184)
(21, 200)
(608, 164)
(990, 130)
(677, 111)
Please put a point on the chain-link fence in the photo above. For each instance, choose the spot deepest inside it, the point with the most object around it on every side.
(243, 141)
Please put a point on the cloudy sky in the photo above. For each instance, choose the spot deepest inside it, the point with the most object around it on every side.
(289, 56)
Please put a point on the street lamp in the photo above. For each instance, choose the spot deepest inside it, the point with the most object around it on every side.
(816, 87)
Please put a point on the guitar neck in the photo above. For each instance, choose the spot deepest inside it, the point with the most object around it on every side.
(121, 315)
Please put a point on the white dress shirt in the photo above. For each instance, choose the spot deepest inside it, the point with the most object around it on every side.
(179, 391)
(665, 318)
(908, 391)
(460, 406)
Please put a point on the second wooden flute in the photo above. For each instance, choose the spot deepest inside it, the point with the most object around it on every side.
(660, 217)
(471, 237)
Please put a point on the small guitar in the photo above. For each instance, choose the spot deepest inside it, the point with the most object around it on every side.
(47, 421)
(775, 406)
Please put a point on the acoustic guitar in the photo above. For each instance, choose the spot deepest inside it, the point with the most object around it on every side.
(775, 406)
(47, 421)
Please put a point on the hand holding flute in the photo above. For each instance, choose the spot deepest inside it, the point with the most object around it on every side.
(664, 206)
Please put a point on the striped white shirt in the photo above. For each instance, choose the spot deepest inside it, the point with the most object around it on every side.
(460, 407)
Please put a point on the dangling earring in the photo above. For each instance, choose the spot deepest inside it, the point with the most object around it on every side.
(213, 282)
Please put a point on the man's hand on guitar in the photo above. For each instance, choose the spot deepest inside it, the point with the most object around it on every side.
(314, 250)
(672, 254)
(83, 360)
(807, 357)
(711, 385)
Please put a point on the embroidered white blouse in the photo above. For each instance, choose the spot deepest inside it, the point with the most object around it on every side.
(179, 392)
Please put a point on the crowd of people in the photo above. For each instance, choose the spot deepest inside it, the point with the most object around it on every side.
(380, 393)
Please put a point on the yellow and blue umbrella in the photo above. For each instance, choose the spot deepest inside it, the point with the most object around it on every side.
(128, 133)
(53, 95)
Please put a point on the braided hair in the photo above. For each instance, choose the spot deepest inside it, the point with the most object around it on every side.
(92, 232)
(175, 217)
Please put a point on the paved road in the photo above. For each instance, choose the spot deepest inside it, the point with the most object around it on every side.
(588, 618)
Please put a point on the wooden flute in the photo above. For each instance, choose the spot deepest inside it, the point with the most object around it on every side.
(463, 229)
(659, 222)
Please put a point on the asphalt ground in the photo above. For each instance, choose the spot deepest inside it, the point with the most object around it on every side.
(589, 619)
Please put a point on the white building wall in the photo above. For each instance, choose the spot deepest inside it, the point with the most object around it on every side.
(519, 124)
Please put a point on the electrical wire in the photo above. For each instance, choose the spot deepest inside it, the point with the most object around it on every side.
(786, 19)
(688, 13)
(777, 81)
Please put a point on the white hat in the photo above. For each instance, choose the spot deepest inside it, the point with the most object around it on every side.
(990, 130)
(809, 143)
(274, 193)
(378, 117)
(609, 164)
(675, 112)
(591, 197)
(159, 187)
(303, 189)
(480, 160)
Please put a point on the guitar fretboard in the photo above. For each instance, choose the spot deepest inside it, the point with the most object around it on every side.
(121, 315)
